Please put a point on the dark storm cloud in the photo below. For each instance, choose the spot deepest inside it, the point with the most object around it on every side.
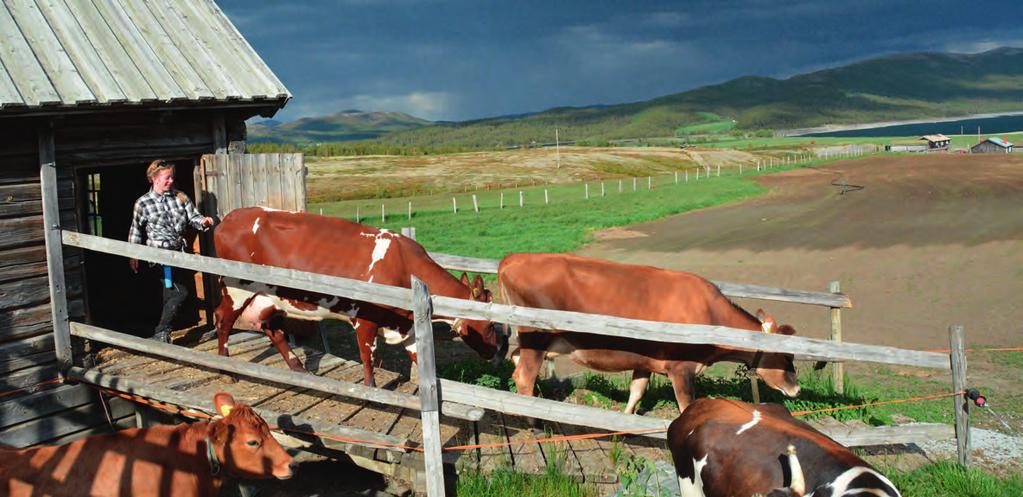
(457, 60)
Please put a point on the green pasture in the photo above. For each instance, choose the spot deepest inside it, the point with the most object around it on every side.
(561, 223)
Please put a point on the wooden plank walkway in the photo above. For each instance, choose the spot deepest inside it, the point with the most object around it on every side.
(587, 461)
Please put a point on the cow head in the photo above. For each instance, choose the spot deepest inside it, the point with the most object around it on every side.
(482, 336)
(777, 370)
(242, 445)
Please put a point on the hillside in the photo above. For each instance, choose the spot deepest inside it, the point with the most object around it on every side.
(904, 86)
(347, 125)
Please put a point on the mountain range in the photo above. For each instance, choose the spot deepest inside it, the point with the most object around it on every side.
(894, 87)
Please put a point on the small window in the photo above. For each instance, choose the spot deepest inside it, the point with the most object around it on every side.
(92, 183)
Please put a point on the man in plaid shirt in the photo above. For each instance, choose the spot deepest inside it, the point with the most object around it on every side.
(160, 219)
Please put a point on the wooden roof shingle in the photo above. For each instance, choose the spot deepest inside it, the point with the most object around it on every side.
(100, 53)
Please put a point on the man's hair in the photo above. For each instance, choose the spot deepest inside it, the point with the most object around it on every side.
(158, 165)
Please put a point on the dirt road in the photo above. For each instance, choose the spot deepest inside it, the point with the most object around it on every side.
(929, 241)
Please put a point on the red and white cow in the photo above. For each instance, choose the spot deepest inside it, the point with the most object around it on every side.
(336, 247)
(570, 283)
(185, 460)
(731, 448)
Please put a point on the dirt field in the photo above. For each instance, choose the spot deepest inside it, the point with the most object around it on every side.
(929, 241)
(338, 178)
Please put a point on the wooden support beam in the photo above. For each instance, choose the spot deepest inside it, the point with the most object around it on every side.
(837, 369)
(54, 249)
(960, 403)
(429, 390)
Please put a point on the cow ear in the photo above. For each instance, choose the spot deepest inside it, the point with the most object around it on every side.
(786, 330)
(223, 403)
(219, 432)
(464, 279)
(478, 282)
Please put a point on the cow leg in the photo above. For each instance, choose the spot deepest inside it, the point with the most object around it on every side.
(682, 381)
(640, 380)
(526, 370)
(276, 335)
(366, 339)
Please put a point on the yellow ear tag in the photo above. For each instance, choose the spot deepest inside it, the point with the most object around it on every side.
(475, 292)
(766, 326)
(225, 410)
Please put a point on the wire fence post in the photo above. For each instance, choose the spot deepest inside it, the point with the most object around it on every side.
(429, 388)
(475, 204)
(960, 402)
(502, 200)
(522, 200)
(676, 177)
(410, 211)
(586, 188)
(358, 218)
(546, 199)
(633, 183)
(383, 214)
(648, 181)
(837, 368)
(601, 188)
(619, 186)
(454, 205)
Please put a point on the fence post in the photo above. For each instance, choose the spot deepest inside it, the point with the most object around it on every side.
(960, 402)
(687, 176)
(546, 199)
(586, 188)
(719, 170)
(740, 169)
(522, 200)
(648, 180)
(837, 368)
(619, 186)
(502, 200)
(454, 205)
(383, 214)
(409, 232)
(601, 188)
(410, 211)
(475, 204)
(754, 385)
(676, 177)
(429, 388)
(633, 183)
(357, 217)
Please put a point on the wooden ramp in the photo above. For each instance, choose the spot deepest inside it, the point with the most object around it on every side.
(372, 435)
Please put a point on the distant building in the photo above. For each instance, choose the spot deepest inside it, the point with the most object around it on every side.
(992, 145)
(905, 147)
(936, 142)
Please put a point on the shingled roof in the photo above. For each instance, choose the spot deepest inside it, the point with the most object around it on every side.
(57, 54)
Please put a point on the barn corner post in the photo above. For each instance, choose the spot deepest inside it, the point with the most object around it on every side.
(54, 248)
(429, 388)
(837, 368)
(960, 402)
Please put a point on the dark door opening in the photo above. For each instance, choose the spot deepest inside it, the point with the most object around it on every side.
(118, 299)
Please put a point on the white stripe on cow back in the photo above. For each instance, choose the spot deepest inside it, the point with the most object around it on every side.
(255, 225)
(694, 487)
(751, 424)
(840, 485)
(382, 242)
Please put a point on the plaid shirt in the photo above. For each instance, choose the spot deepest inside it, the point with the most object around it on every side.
(163, 218)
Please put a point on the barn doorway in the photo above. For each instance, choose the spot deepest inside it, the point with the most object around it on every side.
(118, 299)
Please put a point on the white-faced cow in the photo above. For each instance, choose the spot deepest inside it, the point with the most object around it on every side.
(730, 448)
(185, 460)
(569, 283)
(336, 247)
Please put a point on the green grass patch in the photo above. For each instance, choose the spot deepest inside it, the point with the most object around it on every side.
(948, 478)
(506, 482)
(558, 220)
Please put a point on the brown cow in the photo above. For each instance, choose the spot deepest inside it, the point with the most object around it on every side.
(336, 247)
(185, 460)
(730, 448)
(569, 283)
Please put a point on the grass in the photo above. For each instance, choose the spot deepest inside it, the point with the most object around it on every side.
(562, 225)
(947, 478)
(506, 482)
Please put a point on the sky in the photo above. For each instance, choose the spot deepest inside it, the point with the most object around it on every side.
(457, 60)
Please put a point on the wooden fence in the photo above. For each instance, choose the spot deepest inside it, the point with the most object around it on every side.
(457, 399)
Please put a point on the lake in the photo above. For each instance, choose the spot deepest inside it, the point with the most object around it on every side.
(988, 126)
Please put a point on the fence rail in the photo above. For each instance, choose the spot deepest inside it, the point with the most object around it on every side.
(521, 316)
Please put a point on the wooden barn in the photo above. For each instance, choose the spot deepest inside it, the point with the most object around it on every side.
(992, 145)
(90, 93)
(936, 142)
